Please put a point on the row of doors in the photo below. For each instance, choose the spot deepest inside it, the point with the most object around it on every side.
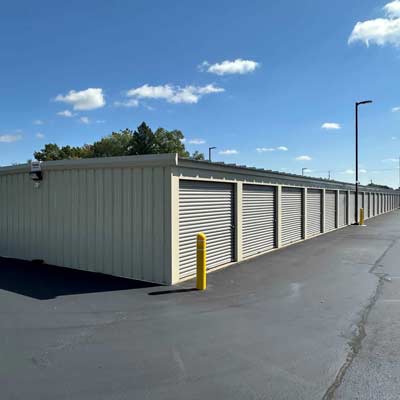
(209, 207)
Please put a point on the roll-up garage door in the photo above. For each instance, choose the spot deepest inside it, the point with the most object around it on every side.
(205, 207)
(366, 205)
(342, 209)
(314, 212)
(292, 219)
(330, 210)
(352, 211)
(360, 203)
(259, 219)
(381, 203)
(373, 204)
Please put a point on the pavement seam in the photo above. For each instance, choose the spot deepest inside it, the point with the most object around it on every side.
(356, 342)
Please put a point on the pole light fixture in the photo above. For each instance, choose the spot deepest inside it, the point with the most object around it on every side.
(358, 103)
(210, 149)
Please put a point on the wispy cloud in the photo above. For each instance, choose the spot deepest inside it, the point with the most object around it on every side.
(390, 160)
(349, 172)
(196, 141)
(362, 171)
(304, 158)
(269, 149)
(130, 103)
(228, 152)
(84, 120)
(10, 138)
(331, 126)
(395, 109)
(174, 94)
(40, 135)
(83, 100)
(379, 31)
(65, 113)
(38, 122)
(228, 67)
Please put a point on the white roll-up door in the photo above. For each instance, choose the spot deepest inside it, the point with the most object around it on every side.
(366, 205)
(292, 218)
(205, 207)
(314, 212)
(330, 210)
(259, 219)
(352, 211)
(342, 209)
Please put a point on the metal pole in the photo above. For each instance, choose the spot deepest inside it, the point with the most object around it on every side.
(356, 203)
(209, 152)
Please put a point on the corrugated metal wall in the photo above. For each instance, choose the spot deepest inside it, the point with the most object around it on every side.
(352, 211)
(259, 219)
(314, 212)
(109, 220)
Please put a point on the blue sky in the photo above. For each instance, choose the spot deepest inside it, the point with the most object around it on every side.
(238, 75)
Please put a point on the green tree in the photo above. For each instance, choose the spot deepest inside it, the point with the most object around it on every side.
(114, 145)
(123, 143)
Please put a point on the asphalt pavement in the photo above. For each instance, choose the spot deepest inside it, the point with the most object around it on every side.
(317, 320)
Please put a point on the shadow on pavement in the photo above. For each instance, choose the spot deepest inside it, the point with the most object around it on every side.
(44, 282)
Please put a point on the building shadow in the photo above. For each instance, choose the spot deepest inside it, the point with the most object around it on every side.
(44, 282)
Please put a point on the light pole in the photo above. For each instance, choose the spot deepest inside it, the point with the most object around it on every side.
(358, 103)
(209, 152)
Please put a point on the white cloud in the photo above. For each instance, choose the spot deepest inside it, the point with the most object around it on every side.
(390, 160)
(128, 103)
(84, 120)
(238, 66)
(173, 94)
(362, 171)
(229, 152)
(88, 99)
(197, 141)
(10, 138)
(65, 113)
(303, 158)
(269, 149)
(393, 9)
(331, 125)
(395, 109)
(37, 122)
(40, 135)
(349, 172)
(264, 149)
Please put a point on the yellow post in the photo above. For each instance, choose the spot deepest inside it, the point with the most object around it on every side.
(361, 216)
(201, 283)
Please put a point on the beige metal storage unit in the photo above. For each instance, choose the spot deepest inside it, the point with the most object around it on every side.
(259, 219)
(138, 217)
(352, 216)
(314, 212)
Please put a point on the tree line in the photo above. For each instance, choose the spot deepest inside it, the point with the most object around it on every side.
(123, 143)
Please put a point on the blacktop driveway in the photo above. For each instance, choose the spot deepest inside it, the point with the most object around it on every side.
(317, 320)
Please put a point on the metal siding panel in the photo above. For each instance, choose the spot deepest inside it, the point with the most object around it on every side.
(91, 220)
(292, 218)
(100, 225)
(127, 222)
(314, 212)
(158, 223)
(342, 209)
(137, 222)
(147, 209)
(330, 210)
(117, 221)
(259, 219)
(205, 207)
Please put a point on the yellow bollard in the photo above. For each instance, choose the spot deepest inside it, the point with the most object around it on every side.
(361, 216)
(201, 282)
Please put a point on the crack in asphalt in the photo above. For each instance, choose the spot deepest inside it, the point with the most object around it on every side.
(355, 342)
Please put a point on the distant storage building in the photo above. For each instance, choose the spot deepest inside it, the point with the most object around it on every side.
(137, 217)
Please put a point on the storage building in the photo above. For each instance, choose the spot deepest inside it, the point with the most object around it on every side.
(137, 217)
